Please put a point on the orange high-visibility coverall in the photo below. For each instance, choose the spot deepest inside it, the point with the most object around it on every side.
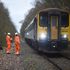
(8, 41)
(17, 44)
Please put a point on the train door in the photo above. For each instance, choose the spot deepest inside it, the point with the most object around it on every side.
(54, 27)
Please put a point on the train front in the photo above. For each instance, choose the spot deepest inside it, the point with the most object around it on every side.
(53, 31)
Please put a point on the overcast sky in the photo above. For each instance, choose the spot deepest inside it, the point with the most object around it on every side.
(18, 9)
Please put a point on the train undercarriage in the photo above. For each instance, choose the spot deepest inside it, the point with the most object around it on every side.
(52, 46)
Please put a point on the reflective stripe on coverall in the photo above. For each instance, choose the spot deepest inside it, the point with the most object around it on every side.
(17, 44)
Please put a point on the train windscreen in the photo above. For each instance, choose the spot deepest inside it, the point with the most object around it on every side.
(43, 19)
(64, 19)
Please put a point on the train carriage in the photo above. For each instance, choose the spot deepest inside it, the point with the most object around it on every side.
(49, 30)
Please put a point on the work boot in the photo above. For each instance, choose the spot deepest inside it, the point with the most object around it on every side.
(8, 52)
(17, 53)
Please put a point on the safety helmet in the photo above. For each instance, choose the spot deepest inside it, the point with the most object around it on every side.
(9, 34)
(16, 33)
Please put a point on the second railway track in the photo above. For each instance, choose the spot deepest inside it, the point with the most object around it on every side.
(61, 62)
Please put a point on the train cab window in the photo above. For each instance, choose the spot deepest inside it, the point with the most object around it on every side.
(43, 19)
(64, 20)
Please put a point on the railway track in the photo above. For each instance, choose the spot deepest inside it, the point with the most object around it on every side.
(60, 65)
(61, 62)
(54, 64)
(66, 57)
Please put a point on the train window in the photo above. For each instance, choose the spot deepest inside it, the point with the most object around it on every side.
(43, 19)
(54, 21)
(64, 20)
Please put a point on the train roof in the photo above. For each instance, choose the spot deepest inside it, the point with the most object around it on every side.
(53, 9)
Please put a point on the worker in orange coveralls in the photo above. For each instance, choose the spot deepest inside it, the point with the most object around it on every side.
(8, 41)
(17, 43)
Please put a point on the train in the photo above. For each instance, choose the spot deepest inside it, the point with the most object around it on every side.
(49, 30)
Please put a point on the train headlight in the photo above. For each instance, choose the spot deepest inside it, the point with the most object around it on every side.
(27, 33)
(43, 36)
(64, 36)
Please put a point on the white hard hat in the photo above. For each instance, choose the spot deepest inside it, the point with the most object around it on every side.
(8, 33)
(16, 33)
